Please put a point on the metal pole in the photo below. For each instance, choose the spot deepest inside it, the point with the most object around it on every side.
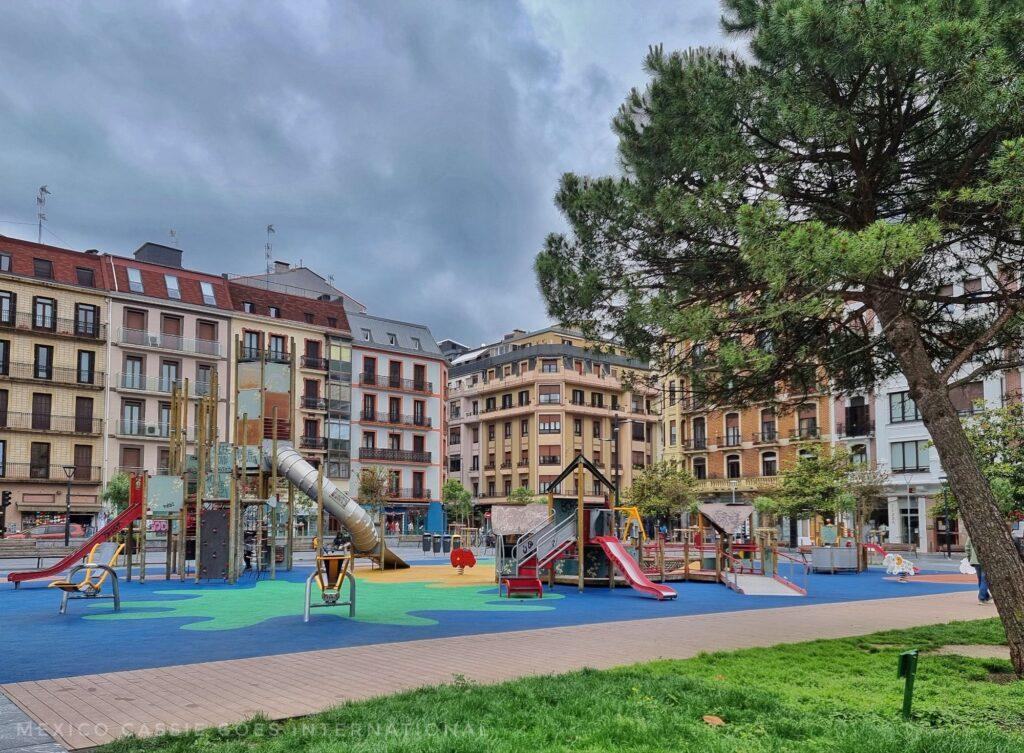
(579, 522)
(67, 513)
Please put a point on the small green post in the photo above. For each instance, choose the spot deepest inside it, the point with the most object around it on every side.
(908, 669)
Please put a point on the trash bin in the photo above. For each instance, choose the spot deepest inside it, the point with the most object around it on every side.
(436, 538)
(456, 541)
(426, 542)
(446, 543)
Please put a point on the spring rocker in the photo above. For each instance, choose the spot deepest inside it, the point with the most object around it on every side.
(332, 571)
(91, 587)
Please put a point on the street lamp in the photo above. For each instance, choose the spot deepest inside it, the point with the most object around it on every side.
(616, 458)
(733, 483)
(69, 471)
(945, 514)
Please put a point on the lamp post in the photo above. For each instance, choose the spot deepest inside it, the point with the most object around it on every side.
(945, 514)
(69, 471)
(733, 483)
(616, 459)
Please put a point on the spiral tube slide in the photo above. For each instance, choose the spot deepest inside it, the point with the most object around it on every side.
(366, 539)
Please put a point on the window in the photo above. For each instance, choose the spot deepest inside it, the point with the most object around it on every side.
(416, 343)
(524, 397)
(132, 378)
(392, 338)
(209, 296)
(5, 262)
(173, 291)
(549, 367)
(307, 317)
(275, 312)
(42, 268)
(732, 429)
(908, 457)
(768, 425)
(550, 425)
(490, 431)
(597, 429)
(968, 398)
(39, 464)
(277, 348)
(672, 393)
(672, 437)
(769, 464)
(973, 285)
(508, 430)
(42, 405)
(454, 463)
(859, 454)
(700, 468)
(44, 362)
(87, 320)
(367, 336)
(248, 308)
(86, 367)
(5, 357)
(7, 307)
(332, 321)
(902, 408)
(44, 313)
(577, 427)
(135, 280)
(732, 466)
(85, 276)
(524, 427)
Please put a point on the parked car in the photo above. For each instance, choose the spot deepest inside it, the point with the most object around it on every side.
(48, 532)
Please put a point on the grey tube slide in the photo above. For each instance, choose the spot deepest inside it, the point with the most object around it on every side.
(366, 540)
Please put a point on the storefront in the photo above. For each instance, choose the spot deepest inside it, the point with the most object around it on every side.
(49, 508)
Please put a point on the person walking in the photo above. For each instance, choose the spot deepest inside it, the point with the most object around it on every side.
(984, 597)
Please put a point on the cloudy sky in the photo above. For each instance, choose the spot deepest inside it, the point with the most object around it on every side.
(409, 148)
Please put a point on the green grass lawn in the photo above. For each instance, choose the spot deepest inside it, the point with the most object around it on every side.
(835, 695)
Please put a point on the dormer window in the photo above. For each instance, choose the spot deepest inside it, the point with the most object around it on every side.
(248, 308)
(135, 280)
(42, 268)
(85, 276)
(173, 289)
(366, 335)
(209, 297)
(275, 312)
(332, 321)
(416, 343)
(392, 338)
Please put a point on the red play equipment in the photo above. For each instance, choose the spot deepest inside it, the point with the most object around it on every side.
(631, 571)
(877, 549)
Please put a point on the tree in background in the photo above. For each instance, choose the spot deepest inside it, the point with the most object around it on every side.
(116, 493)
(997, 436)
(521, 495)
(844, 199)
(817, 485)
(457, 501)
(374, 485)
(663, 489)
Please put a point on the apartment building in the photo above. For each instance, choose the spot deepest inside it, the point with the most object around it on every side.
(311, 334)
(401, 378)
(521, 408)
(53, 373)
(169, 327)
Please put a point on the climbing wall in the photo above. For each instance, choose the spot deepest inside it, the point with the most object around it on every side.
(262, 388)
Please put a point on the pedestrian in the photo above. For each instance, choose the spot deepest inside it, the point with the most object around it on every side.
(972, 556)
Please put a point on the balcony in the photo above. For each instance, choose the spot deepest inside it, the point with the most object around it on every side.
(730, 440)
(314, 402)
(863, 429)
(765, 437)
(46, 423)
(390, 382)
(164, 385)
(313, 443)
(49, 473)
(162, 341)
(552, 400)
(506, 465)
(388, 455)
(523, 463)
(745, 484)
(313, 362)
(247, 355)
(130, 469)
(127, 427)
(396, 419)
(550, 460)
(417, 494)
(697, 443)
(489, 466)
(52, 375)
(54, 325)
(806, 433)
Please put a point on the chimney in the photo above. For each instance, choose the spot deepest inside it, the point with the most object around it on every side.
(157, 253)
(92, 251)
(281, 266)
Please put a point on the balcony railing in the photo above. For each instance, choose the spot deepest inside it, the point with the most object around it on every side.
(313, 362)
(130, 469)
(697, 443)
(313, 443)
(55, 473)
(807, 432)
(730, 440)
(489, 466)
(132, 428)
(47, 422)
(506, 464)
(746, 483)
(413, 493)
(246, 354)
(397, 419)
(53, 374)
(863, 429)
(388, 455)
(165, 341)
(523, 462)
(314, 402)
(763, 437)
(54, 325)
(395, 383)
(550, 460)
(159, 384)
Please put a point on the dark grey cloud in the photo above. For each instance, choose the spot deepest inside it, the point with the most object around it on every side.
(411, 149)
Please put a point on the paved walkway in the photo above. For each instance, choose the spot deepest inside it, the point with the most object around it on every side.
(89, 710)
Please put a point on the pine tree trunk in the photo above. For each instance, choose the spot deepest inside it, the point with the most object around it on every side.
(986, 525)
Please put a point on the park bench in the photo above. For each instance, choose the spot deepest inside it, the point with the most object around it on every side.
(23, 549)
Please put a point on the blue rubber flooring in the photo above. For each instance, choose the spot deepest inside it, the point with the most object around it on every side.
(39, 643)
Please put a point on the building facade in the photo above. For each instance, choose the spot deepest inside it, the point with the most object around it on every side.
(53, 377)
(521, 408)
(399, 425)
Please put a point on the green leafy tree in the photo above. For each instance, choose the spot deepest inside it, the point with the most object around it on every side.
(663, 488)
(818, 484)
(521, 495)
(815, 205)
(116, 492)
(374, 485)
(457, 501)
(997, 436)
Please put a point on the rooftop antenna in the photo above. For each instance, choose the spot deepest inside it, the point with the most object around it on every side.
(174, 237)
(268, 249)
(330, 280)
(41, 209)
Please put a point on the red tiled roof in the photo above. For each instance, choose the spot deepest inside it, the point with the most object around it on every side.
(65, 261)
(327, 314)
(154, 284)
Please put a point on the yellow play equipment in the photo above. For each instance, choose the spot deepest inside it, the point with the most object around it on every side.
(332, 570)
(97, 572)
(633, 518)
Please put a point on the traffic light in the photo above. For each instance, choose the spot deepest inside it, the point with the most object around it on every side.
(5, 498)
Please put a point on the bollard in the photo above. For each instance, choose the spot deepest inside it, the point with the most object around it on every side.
(908, 669)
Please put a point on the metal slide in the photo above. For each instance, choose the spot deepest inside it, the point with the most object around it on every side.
(631, 571)
(366, 539)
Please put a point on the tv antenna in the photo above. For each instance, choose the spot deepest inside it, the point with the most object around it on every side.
(173, 234)
(41, 209)
(268, 248)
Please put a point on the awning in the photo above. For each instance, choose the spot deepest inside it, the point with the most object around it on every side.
(726, 517)
(517, 519)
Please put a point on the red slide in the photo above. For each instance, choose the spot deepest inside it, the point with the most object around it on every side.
(631, 570)
(118, 524)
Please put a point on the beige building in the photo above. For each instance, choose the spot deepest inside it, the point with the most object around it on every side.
(53, 370)
(521, 408)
